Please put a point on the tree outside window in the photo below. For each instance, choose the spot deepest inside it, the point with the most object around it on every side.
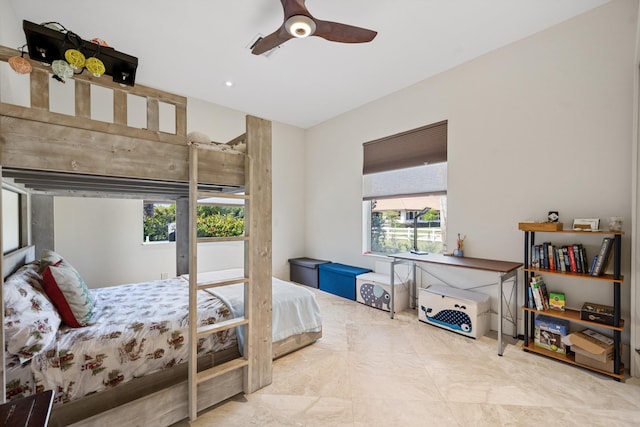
(213, 221)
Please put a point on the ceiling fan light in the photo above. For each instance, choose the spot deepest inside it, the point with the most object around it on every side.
(300, 26)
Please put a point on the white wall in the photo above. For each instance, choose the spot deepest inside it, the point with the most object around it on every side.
(103, 237)
(13, 86)
(542, 124)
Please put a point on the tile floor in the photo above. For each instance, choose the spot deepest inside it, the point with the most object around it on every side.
(369, 370)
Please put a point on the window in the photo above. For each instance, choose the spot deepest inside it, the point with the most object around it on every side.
(14, 218)
(405, 192)
(160, 218)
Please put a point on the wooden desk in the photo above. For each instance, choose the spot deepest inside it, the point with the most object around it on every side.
(30, 411)
(506, 270)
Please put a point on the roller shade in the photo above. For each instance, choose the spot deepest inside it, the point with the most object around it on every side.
(416, 147)
(416, 181)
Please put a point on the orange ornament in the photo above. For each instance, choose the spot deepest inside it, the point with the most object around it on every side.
(20, 65)
(100, 42)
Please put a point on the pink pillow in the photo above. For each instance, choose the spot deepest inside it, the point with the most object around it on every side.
(69, 293)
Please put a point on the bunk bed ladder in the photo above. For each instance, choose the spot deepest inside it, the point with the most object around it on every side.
(196, 332)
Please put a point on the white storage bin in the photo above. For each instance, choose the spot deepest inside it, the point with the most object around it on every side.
(461, 311)
(373, 289)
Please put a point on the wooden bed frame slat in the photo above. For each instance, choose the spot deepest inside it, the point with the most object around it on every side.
(36, 145)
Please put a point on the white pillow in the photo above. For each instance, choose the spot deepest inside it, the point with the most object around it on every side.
(66, 289)
(30, 319)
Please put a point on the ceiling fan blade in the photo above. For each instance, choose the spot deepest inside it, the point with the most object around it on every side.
(343, 33)
(271, 41)
(294, 7)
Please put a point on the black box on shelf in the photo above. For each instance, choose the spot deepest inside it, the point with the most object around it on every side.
(597, 313)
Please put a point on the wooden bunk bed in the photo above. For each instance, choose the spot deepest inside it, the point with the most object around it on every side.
(62, 154)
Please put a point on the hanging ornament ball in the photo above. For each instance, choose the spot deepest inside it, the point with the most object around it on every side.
(75, 58)
(20, 65)
(62, 68)
(100, 42)
(95, 66)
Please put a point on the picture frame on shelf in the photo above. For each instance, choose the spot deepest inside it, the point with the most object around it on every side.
(586, 224)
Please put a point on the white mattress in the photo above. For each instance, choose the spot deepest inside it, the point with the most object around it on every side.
(295, 308)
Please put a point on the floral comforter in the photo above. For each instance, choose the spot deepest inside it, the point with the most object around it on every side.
(136, 329)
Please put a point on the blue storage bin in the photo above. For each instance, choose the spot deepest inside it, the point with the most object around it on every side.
(340, 279)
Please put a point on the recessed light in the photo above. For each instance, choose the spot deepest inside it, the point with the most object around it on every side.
(228, 83)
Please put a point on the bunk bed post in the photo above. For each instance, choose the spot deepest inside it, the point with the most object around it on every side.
(182, 236)
(181, 119)
(193, 280)
(2, 357)
(153, 114)
(258, 252)
(83, 99)
(42, 227)
(120, 107)
(39, 89)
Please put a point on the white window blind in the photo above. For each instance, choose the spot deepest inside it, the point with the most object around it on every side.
(414, 181)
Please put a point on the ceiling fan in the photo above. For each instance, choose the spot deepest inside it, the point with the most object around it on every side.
(298, 22)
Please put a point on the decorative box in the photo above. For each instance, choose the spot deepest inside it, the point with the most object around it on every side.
(458, 310)
(374, 289)
(339, 279)
(597, 313)
(540, 226)
(305, 271)
(557, 301)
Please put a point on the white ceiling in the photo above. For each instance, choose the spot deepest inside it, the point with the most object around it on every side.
(192, 47)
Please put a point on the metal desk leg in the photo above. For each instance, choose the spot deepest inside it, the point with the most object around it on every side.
(515, 306)
(500, 294)
(391, 286)
(513, 315)
(414, 287)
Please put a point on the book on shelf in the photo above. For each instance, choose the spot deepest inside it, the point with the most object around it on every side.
(540, 293)
(532, 303)
(544, 294)
(567, 262)
(561, 262)
(572, 259)
(584, 259)
(535, 257)
(603, 256)
(576, 253)
(593, 264)
(545, 255)
(536, 295)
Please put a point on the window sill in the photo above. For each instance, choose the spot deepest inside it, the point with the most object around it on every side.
(157, 242)
(378, 256)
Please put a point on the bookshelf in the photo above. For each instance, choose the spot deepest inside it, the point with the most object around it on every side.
(613, 280)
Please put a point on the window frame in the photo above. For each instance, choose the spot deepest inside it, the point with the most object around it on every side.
(419, 157)
(22, 217)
